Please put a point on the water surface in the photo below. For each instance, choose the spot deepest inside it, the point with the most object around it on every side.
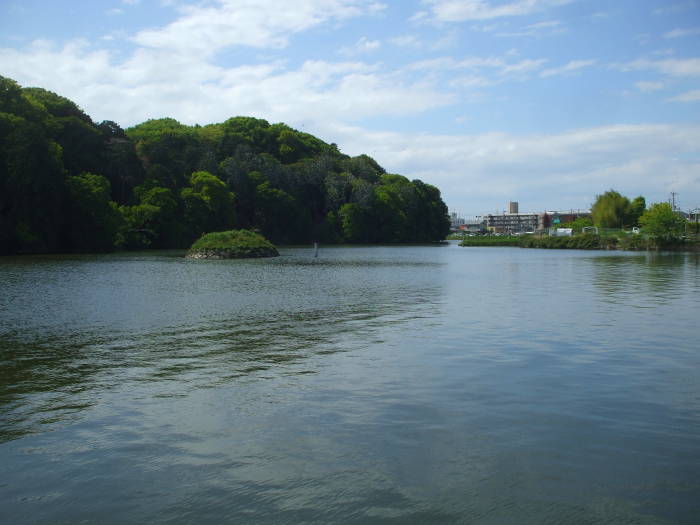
(405, 384)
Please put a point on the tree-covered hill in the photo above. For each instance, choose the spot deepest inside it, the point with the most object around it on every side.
(69, 184)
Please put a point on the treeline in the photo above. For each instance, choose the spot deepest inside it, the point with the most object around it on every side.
(70, 184)
(660, 223)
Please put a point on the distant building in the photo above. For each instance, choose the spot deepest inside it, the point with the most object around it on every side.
(456, 221)
(515, 222)
(473, 227)
(512, 222)
(562, 217)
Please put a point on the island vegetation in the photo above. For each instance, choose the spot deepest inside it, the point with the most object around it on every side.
(232, 244)
(70, 184)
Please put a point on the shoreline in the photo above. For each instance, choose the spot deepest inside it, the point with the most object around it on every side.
(632, 243)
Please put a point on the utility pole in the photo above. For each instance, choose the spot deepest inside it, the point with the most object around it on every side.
(673, 200)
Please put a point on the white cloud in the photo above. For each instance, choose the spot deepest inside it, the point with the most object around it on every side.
(574, 65)
(449, 64)
(679, 33)
(689, 96)
(673, 67)
(154, 83)
(406, 41)
(362, 46)
(524, 66)
(664, 52)
(676, 8)
(463, 10)
(447, 40)
(480, 173)
(376, 8)
(206, 28)
(647, 86)
(540, 29)
(115, 11)
(470, 82)
(490, 28)
(499, 66)
(173, 72)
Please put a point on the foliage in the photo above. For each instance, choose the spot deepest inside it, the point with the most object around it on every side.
(611, 210)
(489, 240)
(139, 226)
(33, 193)
(232, 244)
(169, 182)
(578, 224)
(94, 219)
(631, 242)
(585, 241)
(662, 224)
(636, 209)
(208, 204)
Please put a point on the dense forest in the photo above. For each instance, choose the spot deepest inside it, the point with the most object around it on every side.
(70, 184)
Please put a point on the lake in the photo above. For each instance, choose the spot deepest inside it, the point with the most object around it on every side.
(384, 384)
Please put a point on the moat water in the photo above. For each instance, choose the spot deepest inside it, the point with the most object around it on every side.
(403, 384)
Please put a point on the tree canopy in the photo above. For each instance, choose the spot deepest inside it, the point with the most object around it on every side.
(68, 183)
(662, 224)
(612, 210)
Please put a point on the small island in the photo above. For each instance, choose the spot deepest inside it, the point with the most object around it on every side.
(232, 244)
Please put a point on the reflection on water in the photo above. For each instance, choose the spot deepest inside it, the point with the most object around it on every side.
(230, 329)
(373, 384)
(648, 277)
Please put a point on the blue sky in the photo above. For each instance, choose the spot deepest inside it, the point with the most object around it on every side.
(547, 102)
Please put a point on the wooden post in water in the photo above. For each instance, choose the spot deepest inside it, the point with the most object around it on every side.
(315, 249)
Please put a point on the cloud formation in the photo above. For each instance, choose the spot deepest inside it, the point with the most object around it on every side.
(677, 67)
(689, 96)
(363, 46)
(205, 29)
(574, 65)
(647, 86)
(463, 10)
(680, 33)
(539, 29)
(155, 83)
(366, 77)
(563, 170)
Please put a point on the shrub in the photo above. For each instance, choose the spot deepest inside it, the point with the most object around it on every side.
(232, 244)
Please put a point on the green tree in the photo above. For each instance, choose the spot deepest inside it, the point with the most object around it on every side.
(119, 162)
(69, 126)
(662, 224)
(637, 208)
(32, 182)
(610, 210)
(174, 182)
(279, 216)
(94, 218)
(209, 205)
(139, 226)
(578, 224)
(355, 222)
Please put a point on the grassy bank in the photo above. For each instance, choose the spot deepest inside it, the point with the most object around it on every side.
(630, 242)
(488, 240)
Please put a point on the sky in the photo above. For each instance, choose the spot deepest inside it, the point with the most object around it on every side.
(544, 102)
